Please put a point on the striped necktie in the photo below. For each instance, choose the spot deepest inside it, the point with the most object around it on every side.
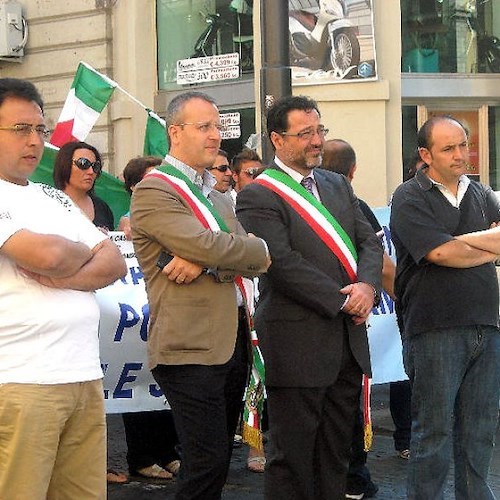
(307, 182)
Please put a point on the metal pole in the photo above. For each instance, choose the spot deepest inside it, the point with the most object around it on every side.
(275, 74)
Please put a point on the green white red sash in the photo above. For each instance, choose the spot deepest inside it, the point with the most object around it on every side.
(316, 216)
(210, 219)
(254, 398)
(201, 207)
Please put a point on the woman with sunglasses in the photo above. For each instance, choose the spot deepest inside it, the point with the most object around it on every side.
(76, 168)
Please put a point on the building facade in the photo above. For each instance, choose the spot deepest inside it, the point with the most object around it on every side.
(417, 57)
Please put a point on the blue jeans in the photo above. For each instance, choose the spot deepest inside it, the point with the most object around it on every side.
(455, 375)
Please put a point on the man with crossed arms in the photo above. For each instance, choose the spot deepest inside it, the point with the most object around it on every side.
(311, 313)
(194, 352)
(52, 258)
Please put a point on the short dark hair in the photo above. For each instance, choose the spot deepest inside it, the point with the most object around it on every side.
(136, 168)
(176, 105)
(64, 162)
(246, 154)
(340, 158)
(424, 136)
(223, 153)
(22, 89)
(277, 115)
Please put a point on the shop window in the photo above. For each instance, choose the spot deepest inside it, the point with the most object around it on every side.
(450, 36)
(197, 28)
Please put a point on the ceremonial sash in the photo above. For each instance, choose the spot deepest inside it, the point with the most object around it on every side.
(316, 216)
(210, 219)
(201, 207)
(254, 398)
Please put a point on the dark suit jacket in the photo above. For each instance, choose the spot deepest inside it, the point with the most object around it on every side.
(298, 318)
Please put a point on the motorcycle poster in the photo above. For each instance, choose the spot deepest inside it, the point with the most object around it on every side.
(331, 41)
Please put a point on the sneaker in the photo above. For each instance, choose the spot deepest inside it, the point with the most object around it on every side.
(370, 491)
(355, 496)
(404, 454)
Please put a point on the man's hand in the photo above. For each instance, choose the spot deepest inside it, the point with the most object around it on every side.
(360, 302)
(182, 271)
(124, 226)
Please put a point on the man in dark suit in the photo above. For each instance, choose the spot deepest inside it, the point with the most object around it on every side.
(313, 304)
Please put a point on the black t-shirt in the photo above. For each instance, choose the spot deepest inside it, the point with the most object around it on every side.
(103, 216)
(432, 296)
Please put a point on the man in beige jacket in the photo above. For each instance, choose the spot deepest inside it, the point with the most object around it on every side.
(195, 354)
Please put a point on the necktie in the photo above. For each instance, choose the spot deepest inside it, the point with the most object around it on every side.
(307, 182)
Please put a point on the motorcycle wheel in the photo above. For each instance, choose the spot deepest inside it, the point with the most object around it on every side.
(345, 51)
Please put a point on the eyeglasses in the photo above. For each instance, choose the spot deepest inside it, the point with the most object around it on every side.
(26, 129)
(204, 127)
(85, 163)
(251, 172)
(220, 168)
(307, 135)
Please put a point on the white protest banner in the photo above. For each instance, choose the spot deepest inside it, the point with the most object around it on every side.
(383, 334)
(128, 383)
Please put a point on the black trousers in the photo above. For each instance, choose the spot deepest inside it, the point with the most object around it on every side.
(151, 438)
(206, 402)
(310, 436)
(400, 406)
(358, 475)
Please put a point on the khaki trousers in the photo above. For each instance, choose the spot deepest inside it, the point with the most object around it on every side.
(52, 441)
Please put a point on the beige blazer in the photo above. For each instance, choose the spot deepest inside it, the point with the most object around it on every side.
(195, 323)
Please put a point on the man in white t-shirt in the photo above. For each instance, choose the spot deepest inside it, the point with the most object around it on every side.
(52, 421)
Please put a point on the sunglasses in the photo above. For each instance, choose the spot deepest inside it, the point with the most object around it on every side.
(85, 163)
(252, 172)
(221, 168)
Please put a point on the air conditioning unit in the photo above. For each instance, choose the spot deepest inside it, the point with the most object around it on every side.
(13, 31)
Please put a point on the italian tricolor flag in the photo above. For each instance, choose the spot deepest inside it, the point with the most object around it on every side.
(88, 96)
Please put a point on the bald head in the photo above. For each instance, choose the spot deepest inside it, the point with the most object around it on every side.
(338, 156)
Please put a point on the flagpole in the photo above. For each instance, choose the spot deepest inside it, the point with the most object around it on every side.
(117, 86)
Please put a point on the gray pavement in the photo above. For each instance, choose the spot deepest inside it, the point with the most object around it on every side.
(387, 469)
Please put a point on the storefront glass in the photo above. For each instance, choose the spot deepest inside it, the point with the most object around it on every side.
(450, 36)
(198, 28)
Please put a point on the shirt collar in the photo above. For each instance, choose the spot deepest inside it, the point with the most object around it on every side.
(426, 183)
(208, 181)
(296, 176)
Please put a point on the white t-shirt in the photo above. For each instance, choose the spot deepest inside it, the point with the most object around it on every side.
(47, 335)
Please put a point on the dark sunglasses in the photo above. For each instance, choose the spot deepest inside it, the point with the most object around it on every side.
(252, 172)
(221, 168)
(85, 163)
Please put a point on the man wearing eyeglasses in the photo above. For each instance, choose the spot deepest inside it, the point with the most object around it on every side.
(313, 303)
(195, 353)
(52, 258)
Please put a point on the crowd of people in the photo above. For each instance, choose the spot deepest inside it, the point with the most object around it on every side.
(286, 251)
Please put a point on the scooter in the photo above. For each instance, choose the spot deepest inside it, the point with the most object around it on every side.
(206, 45)
(324, 40)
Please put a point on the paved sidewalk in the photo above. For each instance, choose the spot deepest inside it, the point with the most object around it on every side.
(387, 469)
